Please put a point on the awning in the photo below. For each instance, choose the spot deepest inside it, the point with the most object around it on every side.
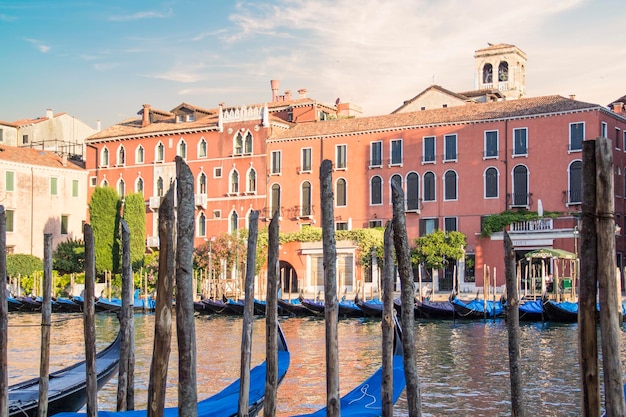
(550, 253)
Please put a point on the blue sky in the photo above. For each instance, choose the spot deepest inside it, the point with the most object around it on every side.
(101, 60)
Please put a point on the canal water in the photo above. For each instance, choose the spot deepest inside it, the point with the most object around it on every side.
(463, 366)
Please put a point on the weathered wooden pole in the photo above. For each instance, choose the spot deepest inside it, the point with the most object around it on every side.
(163, 311)
(126, 321)
(248, 315)
(89, 323)
(4, 318)
(407, 292)
(609, 314)
(587, 330)
(387, 322)
(271, 319)
(512, 325)
(331, 307)
(185, 292)
(46, 314)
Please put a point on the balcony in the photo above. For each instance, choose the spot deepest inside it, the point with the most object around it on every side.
(200, 200)
(532, 225)
(155, 202)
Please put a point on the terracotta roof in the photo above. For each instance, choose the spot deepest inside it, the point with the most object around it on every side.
(25, 122)
(37, 157)
(475, 112)
(432, 87)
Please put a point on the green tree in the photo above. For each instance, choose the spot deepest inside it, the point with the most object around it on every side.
(104, 214)
(135, 216)
(23, 265)
(435, 250)
(226, 249)
(69, 257)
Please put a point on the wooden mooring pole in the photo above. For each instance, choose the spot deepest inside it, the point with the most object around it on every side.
(387, 322)
(271, 318)
(4, 318)
(89, 324)
(124, 387)
(46, 315)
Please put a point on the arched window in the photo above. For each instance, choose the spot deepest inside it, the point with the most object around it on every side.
(376, 190)
(104, 183)
(201, 225)
(139, 185)
(202, 183)
(121, 155)
(159, 185)
(251, 183)
(412, 191)
(121, 188)
(234, 182)
(202, 148)
(238, 144)
(275, 200)
(105, 157)
(575, 182)
(503, 71)
(160, 152)
(491, 183)
(487, 74)
(520, 186)
(248, 143)
(450, 185)
(342, 197)
(182, 149)
(429, 186)
(234, 222)
(305, 199)
(139, 155)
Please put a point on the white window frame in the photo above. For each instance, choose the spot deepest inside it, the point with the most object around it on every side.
(432, 158)
(378, 163)
(446, 158)
(276, 163)
(515, 154)
(393, 163)
(341, 157)
(486, 149)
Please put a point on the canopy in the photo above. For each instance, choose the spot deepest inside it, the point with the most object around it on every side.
(550, 253)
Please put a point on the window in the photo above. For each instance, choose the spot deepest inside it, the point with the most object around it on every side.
(412, 192)
(305, 199)
(238, 144)
(217, 172)
(376, 154)
(74, 188)
(248, 144)
(105, 157)
(617, 138)
(396, 152)
(491, 183)
(450, 145)
(487, 74)
(341, 225)
(1, 135)
(520, 186)
(306, 160)
(427, 226)
(234, 182)
(64, 223)
(234, 222)
(121, 188)
(104, 183)
(503, 71)
(275, 200)
(604, 130)
(276, 161)
(24, 139)
(201, 225)
(491, 144)
(217, 214)
(202, 148)
(341, 194)
(160, 152)
(93, 181)
(251, 183)
(575, 182)
(139, 185)
(54, 186)
(341, 157)
(182, 149)
(450, 185)
(376, 190)
(429, 186)
(121, 156)
(576, 136)
(375, 223)
(9, 178)
(9, 220)
(429, 149)
(624, 141)
(202, 183)
(159, 185)
(450, 224)
(139, 155)
(520, 142)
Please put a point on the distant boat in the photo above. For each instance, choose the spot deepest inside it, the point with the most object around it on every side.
(67, 388)
(477, 309)
(435, 309)
(531, 310)
(371, 308)
(563, 312)
(293, 308)
(14, 304)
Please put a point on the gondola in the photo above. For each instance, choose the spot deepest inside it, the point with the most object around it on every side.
(214, 306)
(259, 307)
(435, 309)
(66, 305)
(226, 402)
(365, 400)
(371, 308)
(315, 307)
(30, 304)
(349, 308)
(531, 310)
(67, 388)
(13, 304)
(234, 308)
(563, 312)
(477, 309)
(293, 308)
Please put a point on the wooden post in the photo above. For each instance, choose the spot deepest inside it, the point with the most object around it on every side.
(89, 301)
(387, 323)
(4, 318)
(185, 322)
(331, 310)
(163, 310)
(609, 321)
(486, 282)
(46, 313)
(587, 332)
(512, 325)
(248, 315)
(407, 292)
(126, 323)
(271, 319)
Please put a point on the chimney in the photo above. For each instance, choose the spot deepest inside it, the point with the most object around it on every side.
(302, 93)
(618, 107)
(49, 113)
(275, 85)
(146, 115)
(288, 95)
(98, 126)
(572, 96)
(64, 160)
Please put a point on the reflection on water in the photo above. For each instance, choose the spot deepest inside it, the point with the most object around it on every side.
(463, 366)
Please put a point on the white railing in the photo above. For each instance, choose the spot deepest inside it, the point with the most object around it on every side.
(532, 225)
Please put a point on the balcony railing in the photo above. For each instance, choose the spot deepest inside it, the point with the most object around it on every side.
(532, 225)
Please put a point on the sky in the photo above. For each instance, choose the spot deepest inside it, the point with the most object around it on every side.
(102, 60)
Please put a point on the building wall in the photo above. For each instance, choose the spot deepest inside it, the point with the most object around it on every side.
(8, 135)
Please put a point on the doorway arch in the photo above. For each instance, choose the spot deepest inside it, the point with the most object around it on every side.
(288, 278)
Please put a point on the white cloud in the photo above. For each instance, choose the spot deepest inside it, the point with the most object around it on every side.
(141, 16)
(39, 45)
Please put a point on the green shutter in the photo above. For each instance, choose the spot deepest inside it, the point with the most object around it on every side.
(53, 186)
(74, 188)
(10, 181)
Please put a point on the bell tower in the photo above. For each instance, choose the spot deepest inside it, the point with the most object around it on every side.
(501, 67)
